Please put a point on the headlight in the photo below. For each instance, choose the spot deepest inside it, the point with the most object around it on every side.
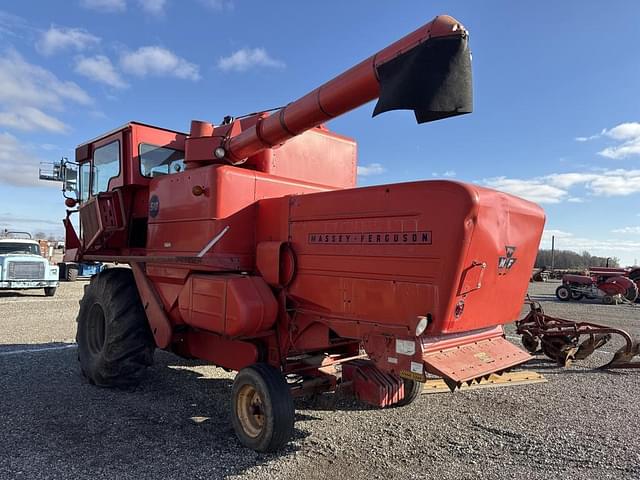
(423, 323)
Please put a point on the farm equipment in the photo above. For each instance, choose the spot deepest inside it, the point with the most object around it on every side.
(566, 341)
(72, 271)
(251, 248)
(611, 286)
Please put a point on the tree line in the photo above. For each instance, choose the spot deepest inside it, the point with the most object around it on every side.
(567, 259)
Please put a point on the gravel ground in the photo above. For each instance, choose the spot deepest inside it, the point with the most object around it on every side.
(581, 424)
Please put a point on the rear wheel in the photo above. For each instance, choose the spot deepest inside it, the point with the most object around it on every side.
(115, 343)
(412, 391)
(563, 293)
(72, 273)
(531, 343)
(558, 349)
(49, 291)
(262, 408)
(575, 295)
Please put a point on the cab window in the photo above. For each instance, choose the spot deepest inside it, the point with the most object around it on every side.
(156, 161)
(83, 180)
(106, 165)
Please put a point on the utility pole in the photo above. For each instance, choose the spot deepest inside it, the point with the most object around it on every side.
(553, 252)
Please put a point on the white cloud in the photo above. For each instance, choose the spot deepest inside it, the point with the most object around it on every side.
(58, 39)
(26, 90)
(624, 131)
(99, 69)
(535, 190)
(29, 119)
(218, 4)
(371, 169)
(246, 58)
(12, 25)
(106, 6)
(158, 61)
(153, 7)
(589, 138)
(628, 134)
(626, 149)
(555, 188)
(633, 230)
(566, 180)
(616, 183)
(17, 166)
(608, 247)
(446, 174)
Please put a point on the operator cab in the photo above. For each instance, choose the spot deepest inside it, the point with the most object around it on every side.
(129, 155)
(114, 171)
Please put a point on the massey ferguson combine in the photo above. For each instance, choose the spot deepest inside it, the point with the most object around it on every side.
(251, 248)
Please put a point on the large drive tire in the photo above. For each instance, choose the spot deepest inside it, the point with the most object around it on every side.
(72, 273)
(115, 343)
(412, 391)
(49, 291)
(262, 408)
(563, 293)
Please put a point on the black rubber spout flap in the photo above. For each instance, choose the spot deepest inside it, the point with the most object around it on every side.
(433, 79)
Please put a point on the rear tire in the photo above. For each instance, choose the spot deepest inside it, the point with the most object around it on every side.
(72, 273)
(115, 343)
(262, 408)
(608, 300)
(563, 293)
(49, 291)
(576, 295)
(412, 391)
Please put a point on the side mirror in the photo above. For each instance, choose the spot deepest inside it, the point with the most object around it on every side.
(63, 171)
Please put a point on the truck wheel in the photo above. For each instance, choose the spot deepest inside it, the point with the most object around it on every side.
(412, 390)
(262, 408)
(72, 273)
(49, 291)
(563, 293)
(115, 343)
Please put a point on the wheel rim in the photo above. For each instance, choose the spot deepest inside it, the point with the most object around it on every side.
(563, 292)
(250, 411)
(96, 329)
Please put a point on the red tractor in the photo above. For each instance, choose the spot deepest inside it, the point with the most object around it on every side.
(608, 284)
(250, 247)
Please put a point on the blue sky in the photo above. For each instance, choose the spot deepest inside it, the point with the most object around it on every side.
(557, 109)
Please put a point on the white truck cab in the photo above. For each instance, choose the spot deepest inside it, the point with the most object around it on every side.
(22, 267)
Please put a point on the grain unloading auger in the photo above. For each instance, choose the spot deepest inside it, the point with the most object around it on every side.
(566, 341)
(251, 248)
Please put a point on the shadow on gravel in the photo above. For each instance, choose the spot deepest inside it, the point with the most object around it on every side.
(174, 425)
(545, 366)
(22, 293)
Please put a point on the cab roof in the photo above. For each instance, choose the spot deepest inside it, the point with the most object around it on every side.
(122, 127)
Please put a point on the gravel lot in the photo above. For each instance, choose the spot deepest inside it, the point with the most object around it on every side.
(583, 423)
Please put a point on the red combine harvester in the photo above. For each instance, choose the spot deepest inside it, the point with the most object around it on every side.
(251, 248)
